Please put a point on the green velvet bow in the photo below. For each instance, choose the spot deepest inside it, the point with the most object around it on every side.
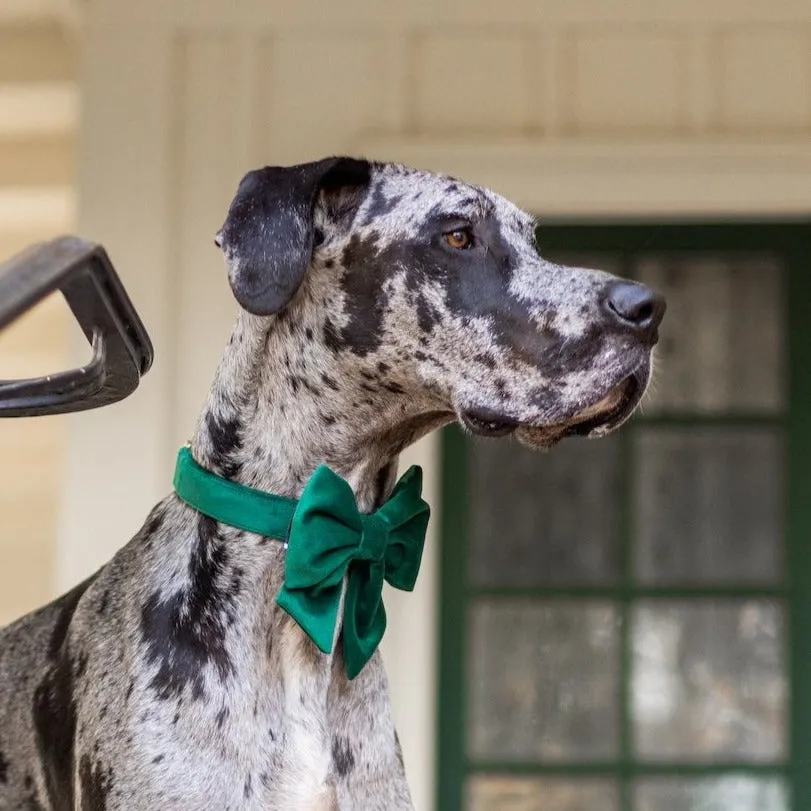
(328, 539)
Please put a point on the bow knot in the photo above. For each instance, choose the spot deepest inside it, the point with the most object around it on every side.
(374, 538)
(330, 539)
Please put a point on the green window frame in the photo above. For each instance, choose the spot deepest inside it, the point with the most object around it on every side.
(791, 241)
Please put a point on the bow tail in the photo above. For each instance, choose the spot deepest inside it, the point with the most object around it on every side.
(364, 615)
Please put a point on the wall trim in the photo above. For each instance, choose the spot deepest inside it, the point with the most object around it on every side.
(370, 13)
(599, 180)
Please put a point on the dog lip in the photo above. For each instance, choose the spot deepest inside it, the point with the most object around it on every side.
(487, 423)
(629, 390)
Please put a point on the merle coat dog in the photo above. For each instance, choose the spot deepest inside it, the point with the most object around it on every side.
(378, 303)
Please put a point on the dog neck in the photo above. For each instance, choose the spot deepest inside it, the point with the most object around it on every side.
(283, 402)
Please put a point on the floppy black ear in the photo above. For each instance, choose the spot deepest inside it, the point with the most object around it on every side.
(268, 234)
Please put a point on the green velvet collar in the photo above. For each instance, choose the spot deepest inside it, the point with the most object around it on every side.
(328, 539)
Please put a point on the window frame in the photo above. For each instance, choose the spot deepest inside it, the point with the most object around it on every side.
(791, 240)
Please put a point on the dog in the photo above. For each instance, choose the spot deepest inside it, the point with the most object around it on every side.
(377, 303)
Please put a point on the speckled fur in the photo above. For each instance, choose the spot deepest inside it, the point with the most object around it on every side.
(170, 679)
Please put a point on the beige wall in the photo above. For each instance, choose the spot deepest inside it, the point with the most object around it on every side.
(37, 149)
(576, 108)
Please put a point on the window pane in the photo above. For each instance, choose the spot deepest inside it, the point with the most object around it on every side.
(709, 506)
(496, 793)
(728, 793)
(544, 518)
(543, 681)
(721, 344)
(709, 680)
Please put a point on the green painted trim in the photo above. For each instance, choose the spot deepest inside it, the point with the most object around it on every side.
(799, 516)
(453, 614)
(719, 421)
(625, 768)
(630, 591)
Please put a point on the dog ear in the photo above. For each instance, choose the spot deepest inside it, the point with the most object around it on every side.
(269, 234)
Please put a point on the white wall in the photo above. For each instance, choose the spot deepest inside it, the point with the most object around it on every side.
(582, 107)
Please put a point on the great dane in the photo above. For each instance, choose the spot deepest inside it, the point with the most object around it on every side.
(377, 303)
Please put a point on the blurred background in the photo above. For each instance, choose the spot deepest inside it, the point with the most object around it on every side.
(613, 626)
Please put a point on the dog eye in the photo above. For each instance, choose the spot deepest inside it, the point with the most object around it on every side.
(459, 239)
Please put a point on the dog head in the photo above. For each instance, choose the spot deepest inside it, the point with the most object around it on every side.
(437, 285)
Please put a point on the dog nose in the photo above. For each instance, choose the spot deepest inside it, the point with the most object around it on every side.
(635, 306)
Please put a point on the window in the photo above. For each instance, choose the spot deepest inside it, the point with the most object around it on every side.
(626, 623)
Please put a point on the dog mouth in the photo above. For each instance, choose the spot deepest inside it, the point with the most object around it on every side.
(596, 419)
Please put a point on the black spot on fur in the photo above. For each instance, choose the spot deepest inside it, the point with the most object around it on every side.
(342, 757)
(54, 705)
(366, 298)
(3, 768)
(226, 438)
(380, 205)
(130, 688)
(221, 716)
(65, 607)
(54, 714)
(487, 360)
(329, 382)
(394, 388)
(332, 339)
(427, 314)
(96, 783)
(155, 519)
(158, 758)
(186, 630)
(380, 484)
(105, 598)
(247, 790)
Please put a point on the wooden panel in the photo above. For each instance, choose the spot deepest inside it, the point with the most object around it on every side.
(351, 14)
(766, 79)
(627, 80)
(629, 177)
(43, 53)
(474, 82)
(317, 92)
(48, 160)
